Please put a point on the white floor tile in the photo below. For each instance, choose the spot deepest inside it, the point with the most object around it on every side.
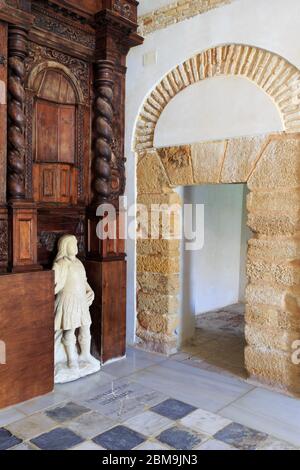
(269, 412)
(197, 387)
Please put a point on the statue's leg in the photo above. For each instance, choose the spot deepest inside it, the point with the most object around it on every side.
(69, 340)
(84, 339)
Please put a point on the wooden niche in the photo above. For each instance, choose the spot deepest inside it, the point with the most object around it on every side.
(55, 167)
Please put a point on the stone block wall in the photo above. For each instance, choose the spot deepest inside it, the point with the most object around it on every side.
(270, 165)
(175, 12)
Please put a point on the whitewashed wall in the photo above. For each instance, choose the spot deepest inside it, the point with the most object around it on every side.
(268, 24)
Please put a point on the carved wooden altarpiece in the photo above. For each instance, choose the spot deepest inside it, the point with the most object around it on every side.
(62, 95)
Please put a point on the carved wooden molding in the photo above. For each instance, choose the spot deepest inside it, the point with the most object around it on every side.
(48, 18)
(275, 75)
(104, 81)
(17, 45)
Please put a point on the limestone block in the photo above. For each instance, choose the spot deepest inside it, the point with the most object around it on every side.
(177, 163)
(259, 337)
(274, 318)
(287, 274)
(156, 342)
(279, 165)
(282, 201)
(277, 249)
(164, 284)
(265, 294)
(274, 223)
(165, 324)
(158, 264)
(170, 198)
(207, 159)
(151, 177)
(241, 157)
(158, 303)
(158, 247)
(273, 367)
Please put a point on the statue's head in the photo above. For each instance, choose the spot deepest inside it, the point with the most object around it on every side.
(67, 247)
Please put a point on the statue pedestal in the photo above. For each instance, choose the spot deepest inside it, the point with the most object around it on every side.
(64, 374)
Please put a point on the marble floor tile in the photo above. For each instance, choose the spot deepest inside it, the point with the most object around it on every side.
(57, 439)
(204, 421)
(148, 423)
(173, 409)
(269, 412)
(200, 388)
(135, 360)
(87, 445)
(91, 424)
(41, 403)
(31, 426)
(179, 438)
(152, 445)
(123, 399)
(24, 446)
(7, 439)
(274, 444)
(241, 437)
(10, 415)
(66, 412)
(213, 444)
(119, 438)
(84, 385)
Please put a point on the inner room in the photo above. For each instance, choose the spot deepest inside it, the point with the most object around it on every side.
(213, 281)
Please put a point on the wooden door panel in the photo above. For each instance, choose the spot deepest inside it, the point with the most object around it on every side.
(46, 131)
(66, 129)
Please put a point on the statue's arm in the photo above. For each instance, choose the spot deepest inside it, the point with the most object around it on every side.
(90, 294)
(59, 278)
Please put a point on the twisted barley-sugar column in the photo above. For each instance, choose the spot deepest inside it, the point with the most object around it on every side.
(17, 46)
(103, 122)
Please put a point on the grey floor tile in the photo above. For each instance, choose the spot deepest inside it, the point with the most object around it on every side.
(135, 360)
(91, 424)
(24, 446)
(200, 388)
(148, 423)
(10, 415)
(66, 412)
(269, 412)
(87, 445)
(57, 439)
(119, 438)
(85, 385)
(123, 399)
(241, 437)
(179, 438)
(173, 409)
(213, 444)
(41, 403)
(31, 426)
(7, 439)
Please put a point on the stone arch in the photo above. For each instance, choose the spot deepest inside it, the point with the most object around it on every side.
(269, 71)
(270, 165)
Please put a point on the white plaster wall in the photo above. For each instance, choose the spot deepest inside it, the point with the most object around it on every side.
(269, 24)
(216, 108)
(215, 269)
(146, 6)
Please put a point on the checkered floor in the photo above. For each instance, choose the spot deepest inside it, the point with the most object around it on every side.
(199, 398)
(126, 416)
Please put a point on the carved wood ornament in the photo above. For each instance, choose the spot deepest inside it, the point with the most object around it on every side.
(66, 64)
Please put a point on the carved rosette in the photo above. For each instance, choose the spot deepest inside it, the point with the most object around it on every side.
(16, 113)
(103, 130)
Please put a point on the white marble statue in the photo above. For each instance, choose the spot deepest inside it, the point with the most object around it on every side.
(73, 299)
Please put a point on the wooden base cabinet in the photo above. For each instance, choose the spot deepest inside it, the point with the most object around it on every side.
(108, 280)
